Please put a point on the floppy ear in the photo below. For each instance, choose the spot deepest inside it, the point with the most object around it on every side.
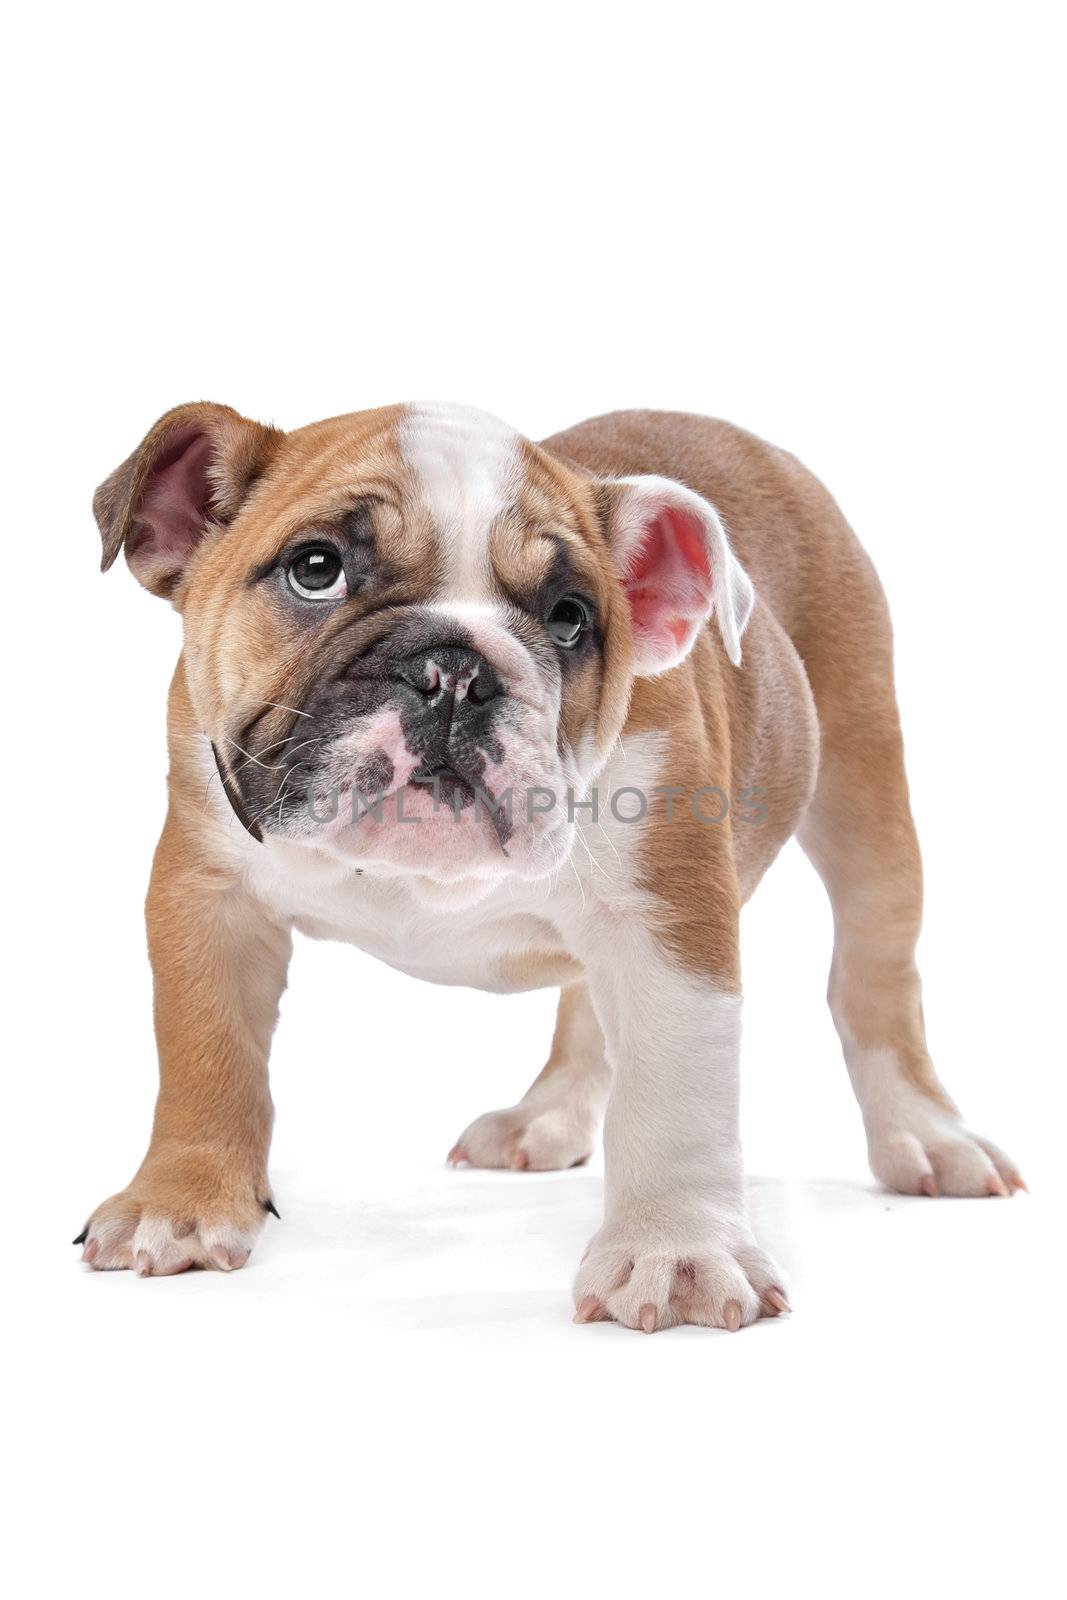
(677, 568)
(189, 474)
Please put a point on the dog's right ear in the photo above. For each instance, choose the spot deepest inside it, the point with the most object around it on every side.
(188, 477)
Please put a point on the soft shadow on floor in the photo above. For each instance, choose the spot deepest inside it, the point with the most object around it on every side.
(448, 1249)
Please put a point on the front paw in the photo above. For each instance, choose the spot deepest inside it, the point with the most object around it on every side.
(180, 1211)
(651, 1278)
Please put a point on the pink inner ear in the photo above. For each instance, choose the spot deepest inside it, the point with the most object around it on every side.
(669, 585)
(175, 501)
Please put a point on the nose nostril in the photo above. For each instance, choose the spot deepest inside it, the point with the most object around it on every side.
(423, 677)
(483, 686)
(449, 674)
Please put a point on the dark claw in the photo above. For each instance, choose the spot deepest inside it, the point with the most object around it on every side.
(82, 1236)
(268, 1205)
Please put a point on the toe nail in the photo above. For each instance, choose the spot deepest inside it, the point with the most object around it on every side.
(588, 1308)
(647, 1319)
(1016, 1182)
(143, 1264)
(221, 1258)
(776, 1297)
(996, 1186)
(456, 1155)
(732, 1315)
(928, 1185)
(519, 1161)
(82, 1236)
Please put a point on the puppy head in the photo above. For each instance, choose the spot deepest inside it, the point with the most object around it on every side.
(411, 634)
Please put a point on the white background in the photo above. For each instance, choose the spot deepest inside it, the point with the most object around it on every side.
(838, 226)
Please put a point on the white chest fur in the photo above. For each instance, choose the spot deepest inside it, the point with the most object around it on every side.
(472, 943)
(479, 937)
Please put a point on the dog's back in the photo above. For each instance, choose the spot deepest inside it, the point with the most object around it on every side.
(785, 527)
(815, 583)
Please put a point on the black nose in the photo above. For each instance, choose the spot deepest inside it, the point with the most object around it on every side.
(450, 677)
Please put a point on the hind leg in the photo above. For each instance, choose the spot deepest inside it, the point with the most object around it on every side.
(859, 834)
(555, 1123)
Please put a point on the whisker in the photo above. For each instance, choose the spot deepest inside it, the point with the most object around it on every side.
(578, 881)
(264, 751)
(264, 764)
(279, 794)
(280, 767)
(277, 766)
(578, 834)
(214, 777)
(611, 841)
(280, 707)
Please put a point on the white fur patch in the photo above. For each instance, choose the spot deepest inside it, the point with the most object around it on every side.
(468, 464)
(675, 1245)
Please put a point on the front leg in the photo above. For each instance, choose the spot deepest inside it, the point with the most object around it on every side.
(675, 1245)
(201, 1194)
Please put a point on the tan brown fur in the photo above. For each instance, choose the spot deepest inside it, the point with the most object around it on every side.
(810, 721)
(219, 967)
(822, 616)
(549, 968)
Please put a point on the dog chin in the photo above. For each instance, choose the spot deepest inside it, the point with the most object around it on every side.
(441, 840)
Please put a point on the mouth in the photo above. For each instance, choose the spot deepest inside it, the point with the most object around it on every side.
(457, 790)
(445, 780)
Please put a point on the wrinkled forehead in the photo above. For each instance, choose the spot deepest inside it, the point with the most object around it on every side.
(500, 512)
(476, 505)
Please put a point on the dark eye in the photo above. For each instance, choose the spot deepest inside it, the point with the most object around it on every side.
(567, 621)
(318, 574)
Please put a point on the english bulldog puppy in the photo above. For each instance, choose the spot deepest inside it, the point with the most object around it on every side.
(509, 715)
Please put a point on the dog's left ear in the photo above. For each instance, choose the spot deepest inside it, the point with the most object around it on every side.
(677, 568)
(189, 474)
